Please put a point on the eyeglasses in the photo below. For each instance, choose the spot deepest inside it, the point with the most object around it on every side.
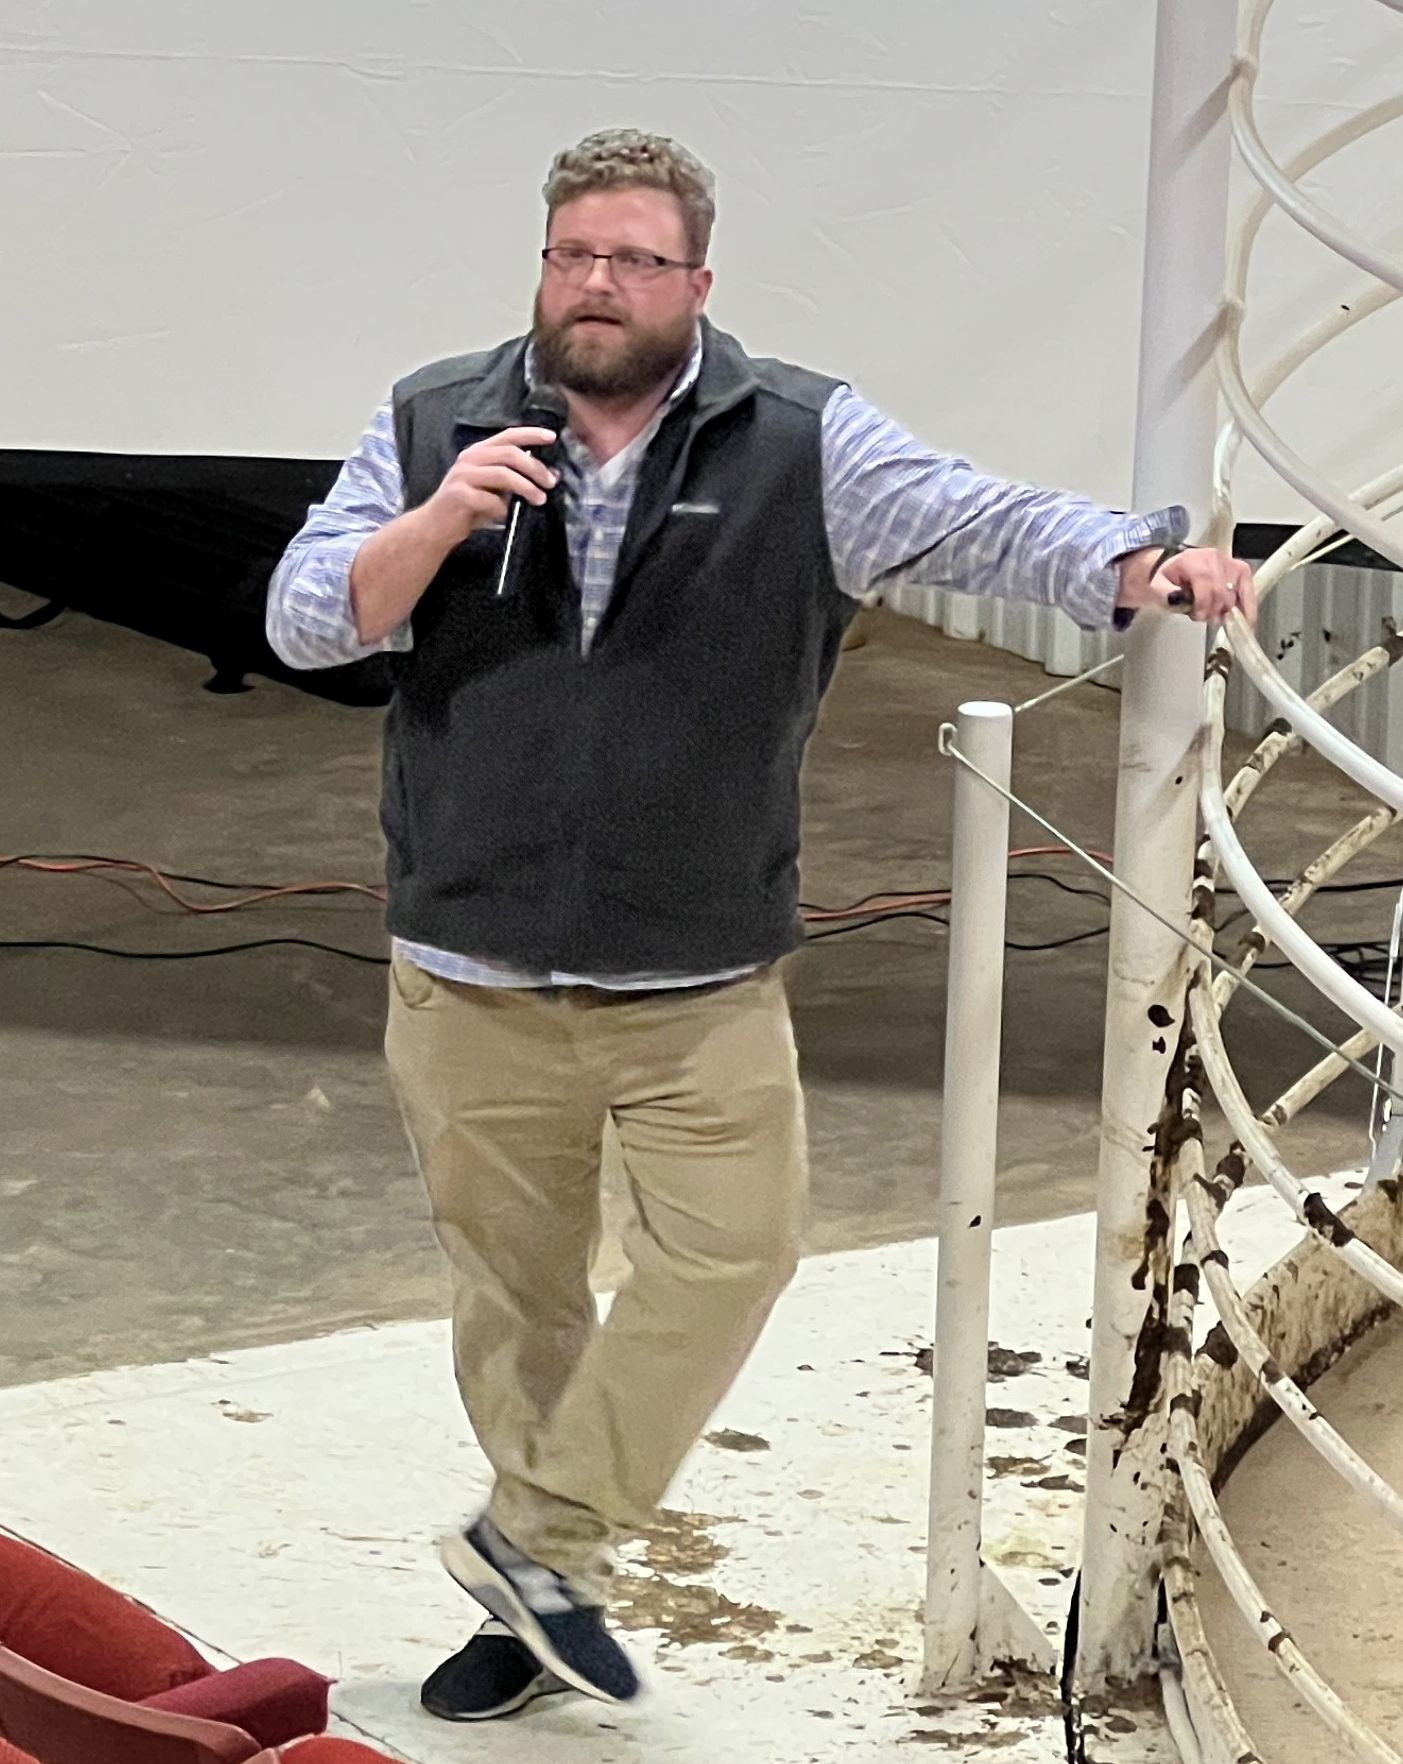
(572, 263)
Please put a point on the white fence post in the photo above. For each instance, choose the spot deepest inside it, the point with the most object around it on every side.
(969, 1140)
(1155, 799)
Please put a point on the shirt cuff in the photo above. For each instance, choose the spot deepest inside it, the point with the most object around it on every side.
(317, 603)
(1094, 607)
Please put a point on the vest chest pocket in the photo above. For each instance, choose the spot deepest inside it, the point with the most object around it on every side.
(692, 528)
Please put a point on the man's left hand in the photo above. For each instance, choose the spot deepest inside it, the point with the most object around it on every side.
(1215, 582)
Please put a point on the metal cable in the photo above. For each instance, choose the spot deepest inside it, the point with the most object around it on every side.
(948, 749)
(1067, 685)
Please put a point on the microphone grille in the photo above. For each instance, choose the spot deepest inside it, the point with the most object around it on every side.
(548, 400)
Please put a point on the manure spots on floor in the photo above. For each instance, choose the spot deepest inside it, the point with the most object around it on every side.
(728, 1440)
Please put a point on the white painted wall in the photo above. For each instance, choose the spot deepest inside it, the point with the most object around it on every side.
(227, 228)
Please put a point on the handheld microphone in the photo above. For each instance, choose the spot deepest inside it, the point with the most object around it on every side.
(545, 408)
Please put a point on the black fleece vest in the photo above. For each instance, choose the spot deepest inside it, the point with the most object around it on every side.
(635, 809)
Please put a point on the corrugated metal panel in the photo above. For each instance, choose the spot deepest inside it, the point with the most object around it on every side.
(1037, 633)
(1318, 620)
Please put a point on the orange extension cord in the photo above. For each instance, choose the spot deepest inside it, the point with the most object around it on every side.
(111, 869)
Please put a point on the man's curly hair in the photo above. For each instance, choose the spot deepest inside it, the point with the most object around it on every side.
(616, 159)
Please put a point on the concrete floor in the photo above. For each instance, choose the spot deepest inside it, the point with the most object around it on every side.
(204, 1154)
(773, 1610)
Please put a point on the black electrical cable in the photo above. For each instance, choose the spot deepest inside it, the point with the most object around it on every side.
(31, 621)
(876, 919)
(1338, 887)
(1358, 957)
(935, 919)
(1059, 942)
(810, 906)
(88, 857)
(1274, 882)
(191, 955)
(1359, 963)
(1073, 1732)
(1057, 882)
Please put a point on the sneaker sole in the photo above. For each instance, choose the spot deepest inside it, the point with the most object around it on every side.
(546, 1685)
(492, 1590)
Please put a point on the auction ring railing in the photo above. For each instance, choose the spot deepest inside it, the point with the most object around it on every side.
(1266, 1343)
(1193, 1378)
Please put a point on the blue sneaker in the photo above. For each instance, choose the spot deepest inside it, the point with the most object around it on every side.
(565, 1635)
(491, 1677)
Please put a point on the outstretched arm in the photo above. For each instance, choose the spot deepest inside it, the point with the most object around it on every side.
(897, 512)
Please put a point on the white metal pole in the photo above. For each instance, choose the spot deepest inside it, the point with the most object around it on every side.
(1154, 841)
(965, 1211)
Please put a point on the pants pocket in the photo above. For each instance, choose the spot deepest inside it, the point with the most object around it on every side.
(413, 986)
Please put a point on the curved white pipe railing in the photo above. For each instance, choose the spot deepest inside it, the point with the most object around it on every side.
(1242, 1588)
(1288, 1396)
(1325, 974)
(1318, 1079)
(1278, 743)
(1316, 875)
(1382, 265)
(960, 1632)
(1367, 515)
(1313, 539)
(1204, 1200)
(1280, 190)
(1207, 1696)
(1334, 324)
(1343, 509)
(1370, 774)
(1309, 1211)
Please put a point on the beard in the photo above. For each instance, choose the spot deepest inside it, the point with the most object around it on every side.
(615, 364)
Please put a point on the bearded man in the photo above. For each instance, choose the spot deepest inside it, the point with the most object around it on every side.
(591, 808)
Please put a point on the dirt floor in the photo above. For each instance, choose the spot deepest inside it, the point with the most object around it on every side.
(200, 1154)
(1326, 1560)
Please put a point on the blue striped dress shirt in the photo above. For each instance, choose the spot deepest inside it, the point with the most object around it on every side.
(896, 512)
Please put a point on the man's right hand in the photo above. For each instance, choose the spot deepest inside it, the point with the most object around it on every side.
(396, 564)
(477, 486)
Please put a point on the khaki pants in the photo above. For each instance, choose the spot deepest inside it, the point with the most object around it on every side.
(504, 1094)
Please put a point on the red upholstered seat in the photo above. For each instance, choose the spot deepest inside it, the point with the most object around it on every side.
(324, 1750)
(317, 1750)
(312, 1751)
(59, 1722)
(87, 1675)
(274, 1700)
(66, 1621)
